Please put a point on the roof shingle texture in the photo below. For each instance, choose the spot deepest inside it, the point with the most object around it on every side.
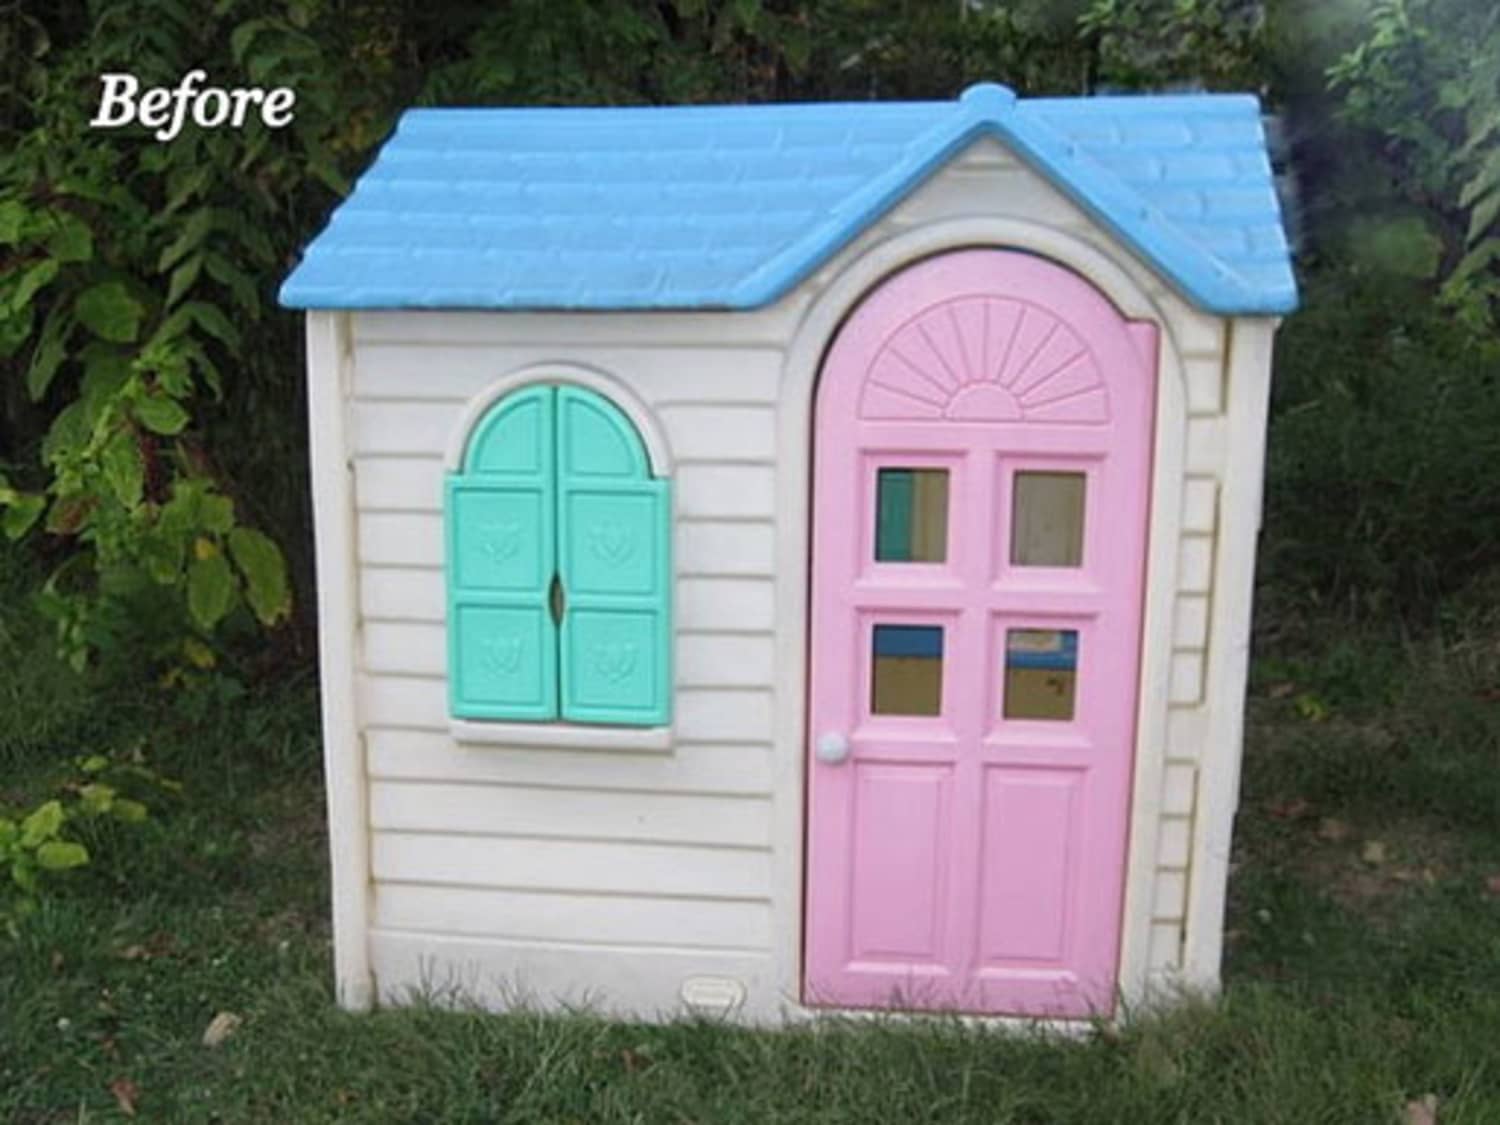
(731, 206)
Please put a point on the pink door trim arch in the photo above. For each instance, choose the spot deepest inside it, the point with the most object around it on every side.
(974, 679)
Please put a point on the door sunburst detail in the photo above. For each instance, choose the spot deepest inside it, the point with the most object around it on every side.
(985, 359)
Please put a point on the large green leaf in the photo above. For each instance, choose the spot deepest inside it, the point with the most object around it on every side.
(72, 241)
(123, 467)
(12, 219)
(21, 513)
(23, 874)
(213, 321)
(1484, 214)
(162, 556)
(1485, 180)
(69, 430)
(43, 823)
(183, 277)
(264, 568)
(210, 590)
(1482, 256)
(194, 230)
(15, 330)
(51, 350)
(215, 513)
(160, 414)
(105, 371)
(33, 280)
(110, 312)
(59, 855)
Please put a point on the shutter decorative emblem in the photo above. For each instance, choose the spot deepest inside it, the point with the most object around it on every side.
(500, 542)
(611, 543)
(615, 662)
(502, 655)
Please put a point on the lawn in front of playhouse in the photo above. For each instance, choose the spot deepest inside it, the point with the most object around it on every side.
(1363, 947)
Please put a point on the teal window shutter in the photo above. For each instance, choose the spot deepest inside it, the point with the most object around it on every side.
(500, 526)
(614, 559)
(556, 487)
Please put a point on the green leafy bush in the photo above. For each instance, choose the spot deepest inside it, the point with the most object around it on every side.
(1380, 492)
(1218, 44)
(136, 269)
(151, 404)
(36, 845)
(1425, 84)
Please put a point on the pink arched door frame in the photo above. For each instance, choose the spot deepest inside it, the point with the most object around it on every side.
(968, 860)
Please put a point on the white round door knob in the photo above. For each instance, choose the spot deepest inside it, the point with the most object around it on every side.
(833, 747)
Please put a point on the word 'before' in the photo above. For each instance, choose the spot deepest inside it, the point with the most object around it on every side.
(166, 109)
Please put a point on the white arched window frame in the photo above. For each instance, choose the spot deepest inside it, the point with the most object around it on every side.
(558, 567)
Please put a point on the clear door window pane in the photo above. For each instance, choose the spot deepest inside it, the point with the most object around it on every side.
(1047, 527)
(1041, 673)
(907, 668)
(911, 515)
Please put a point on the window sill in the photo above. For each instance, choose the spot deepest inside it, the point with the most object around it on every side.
(562, 736)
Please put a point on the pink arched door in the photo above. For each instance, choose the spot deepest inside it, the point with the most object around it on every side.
(981, 479)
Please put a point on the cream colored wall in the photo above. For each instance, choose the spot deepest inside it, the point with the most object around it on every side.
(561, 872)
(634, 878)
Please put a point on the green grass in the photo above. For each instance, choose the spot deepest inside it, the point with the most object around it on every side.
(1358, 979)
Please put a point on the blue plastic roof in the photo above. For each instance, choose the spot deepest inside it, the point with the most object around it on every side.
(731, 206)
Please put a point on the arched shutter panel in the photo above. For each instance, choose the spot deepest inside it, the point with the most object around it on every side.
(614, 536)
(501, 557)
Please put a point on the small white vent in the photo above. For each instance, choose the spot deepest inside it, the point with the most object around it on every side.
(713, 995)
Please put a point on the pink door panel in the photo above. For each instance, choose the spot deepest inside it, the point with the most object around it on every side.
(981, 482)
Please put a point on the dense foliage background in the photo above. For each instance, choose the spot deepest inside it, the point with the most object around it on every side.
(151, 427)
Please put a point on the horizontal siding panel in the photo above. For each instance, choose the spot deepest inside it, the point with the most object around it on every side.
(703, 714)
(626, 980)
(405, 648)
(726, 491)
(402, 427)
(703, 490)
(415, 755)
(703, 659)
(402, 594)
(718, 660)
(401, 539)
(403, 701)
(720, 433)
(585, 866)
(715, 604)
(986, 155)
(729, 716)
(656, 373)
(713, 374)
(404, 484)
(409, 371)
(561, 917)
(1018, 191)
(672, 818)
(725, 548)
